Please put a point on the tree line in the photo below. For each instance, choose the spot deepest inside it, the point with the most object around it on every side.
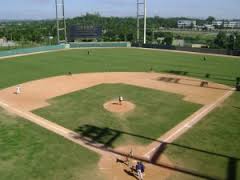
(114, 29)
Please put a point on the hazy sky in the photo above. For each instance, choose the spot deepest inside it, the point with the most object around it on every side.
(41, 9)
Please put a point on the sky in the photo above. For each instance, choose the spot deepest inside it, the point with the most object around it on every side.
(45, 9)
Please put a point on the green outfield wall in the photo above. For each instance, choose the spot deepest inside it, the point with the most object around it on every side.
(63, 46)
(31, 50)
(99, 44)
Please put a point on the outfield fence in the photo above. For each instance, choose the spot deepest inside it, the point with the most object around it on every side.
(31, 50)
(99, 44)
(24, 51)
(189, 49)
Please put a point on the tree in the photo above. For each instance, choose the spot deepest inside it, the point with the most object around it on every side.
(231, 42)
(220, 40)
(192, 26)
(237, 41)
(168, 39)
(210, 19)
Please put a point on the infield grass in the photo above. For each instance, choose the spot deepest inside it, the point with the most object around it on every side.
(156, 112)
(29, 152)
(21, 69)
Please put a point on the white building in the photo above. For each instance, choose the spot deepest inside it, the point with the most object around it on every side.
(5, 43)
(186, 23)
(227, 24)
(231, 24)
(217, 23)
(208, 27)
(178, 42)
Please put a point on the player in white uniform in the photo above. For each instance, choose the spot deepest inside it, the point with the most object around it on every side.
(120, 100)
(18, 90)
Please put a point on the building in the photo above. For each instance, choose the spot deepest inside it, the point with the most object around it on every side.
(227, 23)
(208, 27)
(186, 23)
(3, 40)
(5, 43)
(178, 42)
(231, 24)
(200, 46)
(217, 23)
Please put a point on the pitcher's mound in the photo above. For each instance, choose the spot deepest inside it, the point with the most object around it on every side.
(114, 106)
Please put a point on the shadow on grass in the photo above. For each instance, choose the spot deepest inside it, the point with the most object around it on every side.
(220, 77)
(103, 138)
(177, 81)
(236, 107)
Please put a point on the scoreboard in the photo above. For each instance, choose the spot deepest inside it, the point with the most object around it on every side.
(84, 32)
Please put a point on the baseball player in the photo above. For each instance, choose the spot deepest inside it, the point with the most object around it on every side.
(140, 170)
(120, 99)
(18, 89)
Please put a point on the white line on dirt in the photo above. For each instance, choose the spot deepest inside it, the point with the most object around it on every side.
(202, 114)
(189, 123)
(104, 168)
(188, 52)
(68, 134)
(33, 53)
(55, 128)
(3, 104)
(56, 50)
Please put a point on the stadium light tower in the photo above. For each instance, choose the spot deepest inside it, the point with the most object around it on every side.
(61, 23)
(142, 14)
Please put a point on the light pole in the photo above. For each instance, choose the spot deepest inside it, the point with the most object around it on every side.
(145, 22)
(61, 23)
(142, 14)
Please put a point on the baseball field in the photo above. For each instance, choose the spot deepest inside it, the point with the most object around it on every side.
(67, 122)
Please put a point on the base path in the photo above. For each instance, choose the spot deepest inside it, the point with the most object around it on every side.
(36, 94)
(181, 128)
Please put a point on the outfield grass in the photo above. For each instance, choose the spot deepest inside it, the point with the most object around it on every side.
(30, 152)
(21, 69)
(155, 113)
(219, 136)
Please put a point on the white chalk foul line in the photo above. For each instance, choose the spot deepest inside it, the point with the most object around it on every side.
(32, 118)
(52, 127)
(193, 121)
(55, 128)
(3, 104)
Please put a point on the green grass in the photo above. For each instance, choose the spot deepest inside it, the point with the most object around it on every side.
(219, 135)
(155, 113)
(30, 152)
(21, 69)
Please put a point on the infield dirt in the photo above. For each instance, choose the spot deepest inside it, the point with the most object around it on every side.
(35, 94)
